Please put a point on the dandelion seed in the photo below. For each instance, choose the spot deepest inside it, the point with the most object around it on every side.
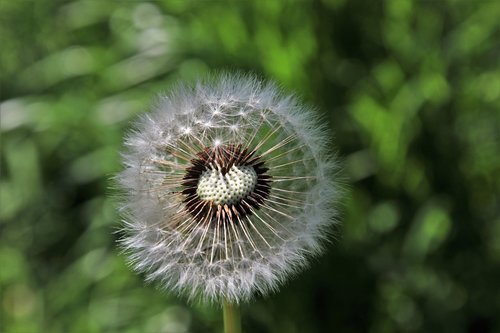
(229, 189)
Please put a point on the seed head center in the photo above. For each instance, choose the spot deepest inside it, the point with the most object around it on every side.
(238, 183)
(225, 183)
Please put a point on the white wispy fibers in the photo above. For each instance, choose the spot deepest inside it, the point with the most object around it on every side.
(229, 189)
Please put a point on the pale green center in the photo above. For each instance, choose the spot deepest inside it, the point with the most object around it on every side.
(230, 188)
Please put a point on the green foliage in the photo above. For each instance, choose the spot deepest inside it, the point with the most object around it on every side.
(411, 90)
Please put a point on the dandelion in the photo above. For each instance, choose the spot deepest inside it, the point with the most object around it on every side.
(229, 189)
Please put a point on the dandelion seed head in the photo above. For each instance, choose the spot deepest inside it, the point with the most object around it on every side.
(229, 189)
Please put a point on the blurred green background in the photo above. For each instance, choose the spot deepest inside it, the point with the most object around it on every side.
(410, 89)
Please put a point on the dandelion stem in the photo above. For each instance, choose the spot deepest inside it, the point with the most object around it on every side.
(232, 318)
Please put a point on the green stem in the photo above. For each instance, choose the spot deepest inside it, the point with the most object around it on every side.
(232, 318)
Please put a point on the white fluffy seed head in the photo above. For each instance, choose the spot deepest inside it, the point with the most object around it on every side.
(229, 189)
